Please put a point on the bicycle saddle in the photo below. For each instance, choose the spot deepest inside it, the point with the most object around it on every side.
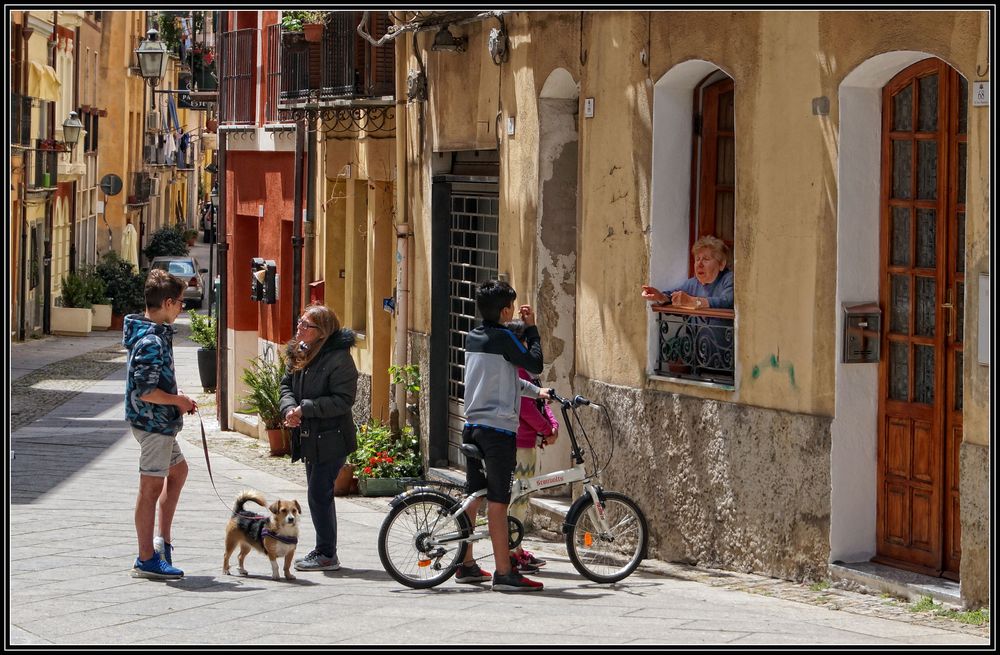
(471, 451)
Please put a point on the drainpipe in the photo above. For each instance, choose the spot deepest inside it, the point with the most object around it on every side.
(312, 152)
(402, 230)
(22, 269)
(222, 229)
(300, 141)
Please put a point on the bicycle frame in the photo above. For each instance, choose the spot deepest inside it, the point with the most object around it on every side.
(522, 488)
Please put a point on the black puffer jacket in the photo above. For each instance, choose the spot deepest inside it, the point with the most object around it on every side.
(326, 390)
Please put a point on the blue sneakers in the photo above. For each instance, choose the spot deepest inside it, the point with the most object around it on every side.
(164, 549)
(155, 568)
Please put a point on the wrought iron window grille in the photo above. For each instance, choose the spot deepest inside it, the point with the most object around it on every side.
(696, 345)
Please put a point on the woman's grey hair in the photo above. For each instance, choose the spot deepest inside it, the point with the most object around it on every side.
(717, 246)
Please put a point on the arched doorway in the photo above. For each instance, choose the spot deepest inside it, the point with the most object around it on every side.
(921, 291)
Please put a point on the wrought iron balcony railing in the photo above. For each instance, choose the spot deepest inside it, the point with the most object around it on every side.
(341, 66)
(141, 188)
(41, 167)
(696, 344)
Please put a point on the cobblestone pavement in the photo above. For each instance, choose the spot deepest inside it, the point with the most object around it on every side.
(38, 392)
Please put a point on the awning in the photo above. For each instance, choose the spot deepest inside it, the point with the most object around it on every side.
(43, 83)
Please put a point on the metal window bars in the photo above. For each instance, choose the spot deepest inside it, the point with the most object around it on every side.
(696, 344)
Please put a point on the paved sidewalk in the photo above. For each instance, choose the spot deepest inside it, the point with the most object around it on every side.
(72, 543)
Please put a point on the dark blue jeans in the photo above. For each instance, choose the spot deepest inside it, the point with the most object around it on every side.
(320, 478)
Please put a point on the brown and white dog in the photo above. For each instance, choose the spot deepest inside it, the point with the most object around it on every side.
(276, 536)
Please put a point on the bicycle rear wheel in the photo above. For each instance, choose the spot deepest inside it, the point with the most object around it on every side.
(608, 556)
(404, 541)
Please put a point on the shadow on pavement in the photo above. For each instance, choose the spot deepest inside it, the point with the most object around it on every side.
(51, 450)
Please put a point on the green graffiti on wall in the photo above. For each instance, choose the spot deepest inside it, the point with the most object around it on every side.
(773, 362)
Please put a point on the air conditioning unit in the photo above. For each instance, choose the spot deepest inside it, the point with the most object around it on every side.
(149, 154)
(153, 120)
(154, 186)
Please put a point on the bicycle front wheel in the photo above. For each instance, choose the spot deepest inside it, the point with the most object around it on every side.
(419, 543)
(613, 555)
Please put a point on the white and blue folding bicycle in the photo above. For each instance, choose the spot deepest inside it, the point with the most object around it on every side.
(424, 536)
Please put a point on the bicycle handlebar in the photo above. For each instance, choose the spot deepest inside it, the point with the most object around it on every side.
(574, 403)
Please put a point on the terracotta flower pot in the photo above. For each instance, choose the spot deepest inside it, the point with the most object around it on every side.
(345, 484)
(278, 441)
(313, 32)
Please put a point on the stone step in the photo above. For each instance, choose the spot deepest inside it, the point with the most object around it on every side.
(879, 578)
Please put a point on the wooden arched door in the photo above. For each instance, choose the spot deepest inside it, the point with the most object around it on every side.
(924, 134)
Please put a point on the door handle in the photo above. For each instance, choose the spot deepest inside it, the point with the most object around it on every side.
(951, 315)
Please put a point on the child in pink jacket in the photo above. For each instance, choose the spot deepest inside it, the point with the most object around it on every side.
(538, 428)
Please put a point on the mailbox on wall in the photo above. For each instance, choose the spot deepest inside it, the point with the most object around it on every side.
(270, 282)
(257, 270)
(862, 332)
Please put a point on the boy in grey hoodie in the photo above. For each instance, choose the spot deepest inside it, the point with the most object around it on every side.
(154, 409)
(493, 393)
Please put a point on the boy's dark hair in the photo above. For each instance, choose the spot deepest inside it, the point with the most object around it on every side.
(492, 296)
(161, 285)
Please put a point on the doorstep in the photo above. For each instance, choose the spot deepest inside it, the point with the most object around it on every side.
(880, 578)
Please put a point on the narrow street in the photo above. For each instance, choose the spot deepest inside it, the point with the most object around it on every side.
(71, 545)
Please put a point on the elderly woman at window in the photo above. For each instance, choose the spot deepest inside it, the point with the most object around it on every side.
(711, 286)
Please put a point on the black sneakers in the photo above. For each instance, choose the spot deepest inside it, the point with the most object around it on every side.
(471, 574)
(514, 581)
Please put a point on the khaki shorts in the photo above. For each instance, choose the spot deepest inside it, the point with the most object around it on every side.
(157, 452)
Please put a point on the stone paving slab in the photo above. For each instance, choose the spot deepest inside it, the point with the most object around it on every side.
(67, 594)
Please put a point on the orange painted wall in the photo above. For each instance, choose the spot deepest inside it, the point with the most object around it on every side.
(261, 179)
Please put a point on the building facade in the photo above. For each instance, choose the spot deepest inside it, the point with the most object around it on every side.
(838, 155)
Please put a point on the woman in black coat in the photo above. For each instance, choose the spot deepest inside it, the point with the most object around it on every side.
(317, 394)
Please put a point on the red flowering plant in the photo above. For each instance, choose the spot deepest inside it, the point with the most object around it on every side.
(379, 455)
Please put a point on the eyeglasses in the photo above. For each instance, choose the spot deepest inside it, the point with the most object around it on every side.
(308, 326)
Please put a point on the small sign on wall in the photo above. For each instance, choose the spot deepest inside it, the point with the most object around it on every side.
(980, 94)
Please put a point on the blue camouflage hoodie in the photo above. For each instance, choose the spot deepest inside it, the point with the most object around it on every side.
(150, 366)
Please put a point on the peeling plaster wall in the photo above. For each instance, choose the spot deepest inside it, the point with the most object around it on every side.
(721, 485)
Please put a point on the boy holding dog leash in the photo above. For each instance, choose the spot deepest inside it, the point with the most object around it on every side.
(155, 411)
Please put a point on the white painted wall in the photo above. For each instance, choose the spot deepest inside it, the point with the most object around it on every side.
(854, 431)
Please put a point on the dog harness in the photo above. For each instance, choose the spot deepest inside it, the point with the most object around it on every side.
(255, 526)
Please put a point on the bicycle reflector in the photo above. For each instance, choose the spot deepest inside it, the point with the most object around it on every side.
(588, 539)
(423, 563)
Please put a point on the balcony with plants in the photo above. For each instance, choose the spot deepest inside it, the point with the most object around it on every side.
(334, 63)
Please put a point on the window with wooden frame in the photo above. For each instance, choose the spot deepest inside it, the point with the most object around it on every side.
(713, 162)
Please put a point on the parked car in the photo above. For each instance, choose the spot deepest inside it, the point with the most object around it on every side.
(186, 268)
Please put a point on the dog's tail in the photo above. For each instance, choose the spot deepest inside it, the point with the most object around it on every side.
(244, 496)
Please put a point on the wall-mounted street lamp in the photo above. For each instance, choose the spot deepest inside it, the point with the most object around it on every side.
(71, 130)
(152, 55)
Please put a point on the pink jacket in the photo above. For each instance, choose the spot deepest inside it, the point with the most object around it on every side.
(533, 421)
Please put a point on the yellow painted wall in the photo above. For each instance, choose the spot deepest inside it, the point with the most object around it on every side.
(786, 168)
(120, 131)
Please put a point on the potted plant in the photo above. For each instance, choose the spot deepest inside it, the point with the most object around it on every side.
(96, 292)
(190, 236)
(123, 285)
(168, 241)
(72, 314)
(382, 463)
(309, 22)
(204, 332)
(263, 379)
